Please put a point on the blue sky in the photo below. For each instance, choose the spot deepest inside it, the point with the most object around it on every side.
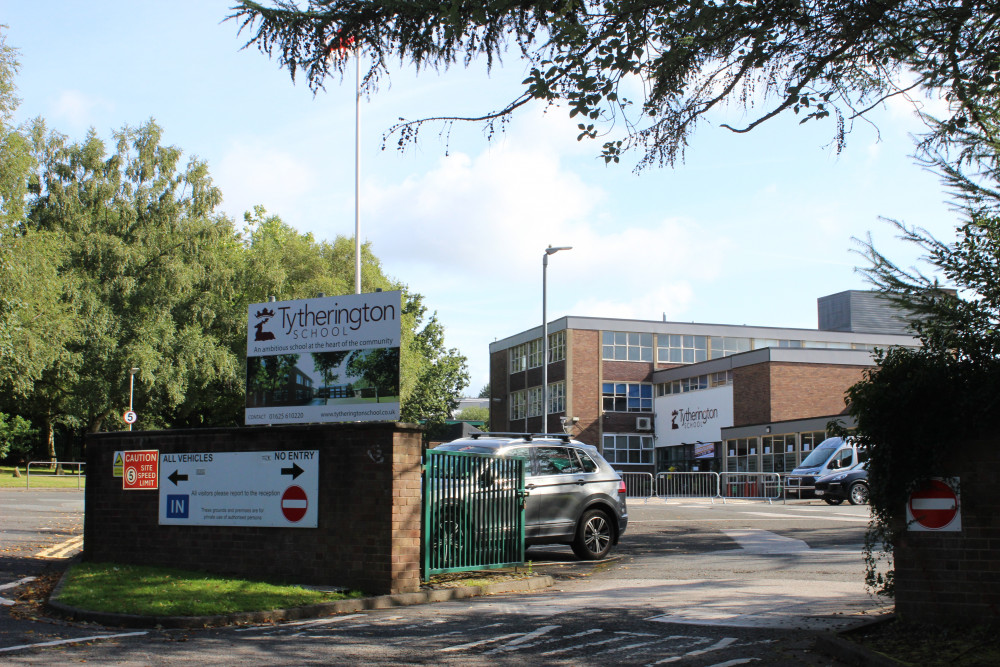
(751, 229)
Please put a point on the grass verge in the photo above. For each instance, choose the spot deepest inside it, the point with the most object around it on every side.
(158, 591)
(932, 646)
(44, 479)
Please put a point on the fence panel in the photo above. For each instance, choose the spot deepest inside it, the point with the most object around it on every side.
(56, 467)
(473, 511)
(687, 485)
(751, 485)
(638, 485)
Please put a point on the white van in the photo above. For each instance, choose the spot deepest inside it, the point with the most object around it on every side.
(831, 455)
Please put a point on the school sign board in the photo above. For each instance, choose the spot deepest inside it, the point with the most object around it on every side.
(273, 489)
(328, 359)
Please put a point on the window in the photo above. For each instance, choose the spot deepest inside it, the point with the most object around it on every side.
(518, 358)
(535, 402)
(557, 397)
(679, 349)
(778, 453)
(622, 346)
(628, 449)
(535, 353)
(723, 346)
(557, 461)
(627, 397)
(517, 406)
(741, 455)
(720, 379)
(557, 346)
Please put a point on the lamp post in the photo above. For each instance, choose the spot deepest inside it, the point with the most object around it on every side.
(131, 384)
(545, 337)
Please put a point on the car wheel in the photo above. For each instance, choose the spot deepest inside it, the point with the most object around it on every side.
(833, 501)
(593, 536)
(858, 495)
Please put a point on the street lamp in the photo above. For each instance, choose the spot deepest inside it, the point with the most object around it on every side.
(545, 337)
(131, 384)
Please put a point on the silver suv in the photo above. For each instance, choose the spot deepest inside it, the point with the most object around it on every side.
(574, 496)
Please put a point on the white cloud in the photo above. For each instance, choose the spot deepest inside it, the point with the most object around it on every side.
(252, 173)
(78, 110)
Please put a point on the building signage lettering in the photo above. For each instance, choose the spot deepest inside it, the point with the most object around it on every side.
(328, 359)
(697, 416)
(272, 489)
(691, 418)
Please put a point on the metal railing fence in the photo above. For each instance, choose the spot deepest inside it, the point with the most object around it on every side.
(688, 485)
(638, 485)
(751, 485)
(473, 512)
(56, 467)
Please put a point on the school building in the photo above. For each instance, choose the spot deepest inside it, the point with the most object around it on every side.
(657, 395)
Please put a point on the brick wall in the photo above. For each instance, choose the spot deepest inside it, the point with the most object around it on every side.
(584, 357)
(953, 578)
(800, 391)
(751, 395)
(369, 511)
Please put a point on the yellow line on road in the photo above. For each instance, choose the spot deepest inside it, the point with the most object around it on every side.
(63, 549)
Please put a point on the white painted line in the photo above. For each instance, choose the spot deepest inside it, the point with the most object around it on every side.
(765, 542)
(460, 647)
(78, 640)
(4, 602)
(812, 517)
(15, 584)
(718, 646)
(519, 643)
(731, 663)
(322, 621)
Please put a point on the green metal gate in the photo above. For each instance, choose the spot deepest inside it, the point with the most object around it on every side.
(473, 511)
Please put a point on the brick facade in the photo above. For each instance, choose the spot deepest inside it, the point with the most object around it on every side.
(953, 578)
(369, 531)
(584, 384)
(801, 391)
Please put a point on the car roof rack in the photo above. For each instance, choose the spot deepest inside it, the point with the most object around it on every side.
(565, 437)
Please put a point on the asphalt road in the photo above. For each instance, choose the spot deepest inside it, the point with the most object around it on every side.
(692, 583)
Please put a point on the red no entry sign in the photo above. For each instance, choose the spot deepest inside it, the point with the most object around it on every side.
(934, 506)
(294, 503)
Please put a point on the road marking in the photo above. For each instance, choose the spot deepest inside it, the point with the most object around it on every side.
(517, 643)
(481, 642)
(63, 549)
(718, 646)
(731, 663)
(78, 640)
(765, 542)
(290, 624)
(14, 584)
(811, 517)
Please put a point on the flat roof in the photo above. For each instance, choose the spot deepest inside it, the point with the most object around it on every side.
(794, 355)
(697, 329)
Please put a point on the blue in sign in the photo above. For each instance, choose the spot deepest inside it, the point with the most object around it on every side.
(177, 507)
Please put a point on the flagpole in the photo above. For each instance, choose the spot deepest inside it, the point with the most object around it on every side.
(357, 170)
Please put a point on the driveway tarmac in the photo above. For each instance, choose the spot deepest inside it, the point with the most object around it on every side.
(691, 583)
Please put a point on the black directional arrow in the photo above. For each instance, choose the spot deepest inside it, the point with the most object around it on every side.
(176, 476)
(294, 471)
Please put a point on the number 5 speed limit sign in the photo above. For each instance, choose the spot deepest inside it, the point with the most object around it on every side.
(129, 417)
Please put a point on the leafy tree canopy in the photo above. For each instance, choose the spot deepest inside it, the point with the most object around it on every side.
(641, 75)
(918, 405)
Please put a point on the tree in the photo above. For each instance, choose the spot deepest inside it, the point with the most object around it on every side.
(918, 404)
(18, 439)
(485, 391)
(814, 58)
(284, 263)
